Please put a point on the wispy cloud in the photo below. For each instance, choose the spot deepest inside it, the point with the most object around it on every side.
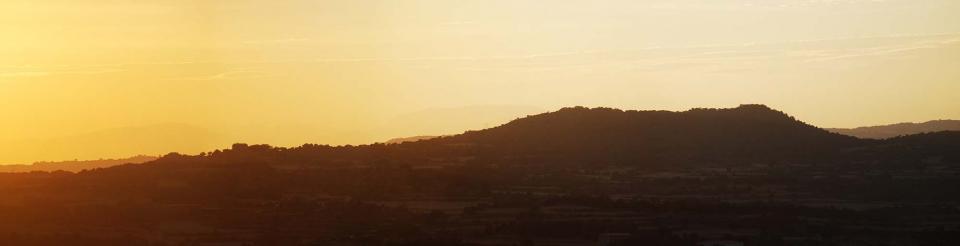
(707, 57)
(459, 23)
(229, 75)
(31, 72)
(23, 74)
(663, 58)
(276, 41)
(734, 5)
(885, 50)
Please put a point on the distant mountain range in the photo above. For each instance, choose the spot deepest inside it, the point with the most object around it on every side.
(409, 139)
(579, 135)
(574, 169)
(73, 166)
(745, 135)
(901, 129)
(114, 143)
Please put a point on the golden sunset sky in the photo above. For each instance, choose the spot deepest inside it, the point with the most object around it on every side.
(87, 79)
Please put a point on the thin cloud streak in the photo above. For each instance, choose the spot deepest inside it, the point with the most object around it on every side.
(230, 75)
(23, 74)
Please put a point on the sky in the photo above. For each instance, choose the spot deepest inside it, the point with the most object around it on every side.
(88, 79)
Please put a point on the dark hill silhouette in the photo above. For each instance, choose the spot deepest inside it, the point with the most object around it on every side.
(900, 129)
(709, 168)
(564, 143)
(931, 147)
(571, 137)
(745, 133)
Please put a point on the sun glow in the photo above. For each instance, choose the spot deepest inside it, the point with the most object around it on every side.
(82, 79)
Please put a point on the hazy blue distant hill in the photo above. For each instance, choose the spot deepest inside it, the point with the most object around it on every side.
(901, 129)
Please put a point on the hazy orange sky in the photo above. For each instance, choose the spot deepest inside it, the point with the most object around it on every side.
(108, 78)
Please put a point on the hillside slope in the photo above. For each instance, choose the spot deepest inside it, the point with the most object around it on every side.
(901, 129)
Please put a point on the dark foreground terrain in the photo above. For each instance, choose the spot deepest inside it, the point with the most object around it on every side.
(743, 176)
